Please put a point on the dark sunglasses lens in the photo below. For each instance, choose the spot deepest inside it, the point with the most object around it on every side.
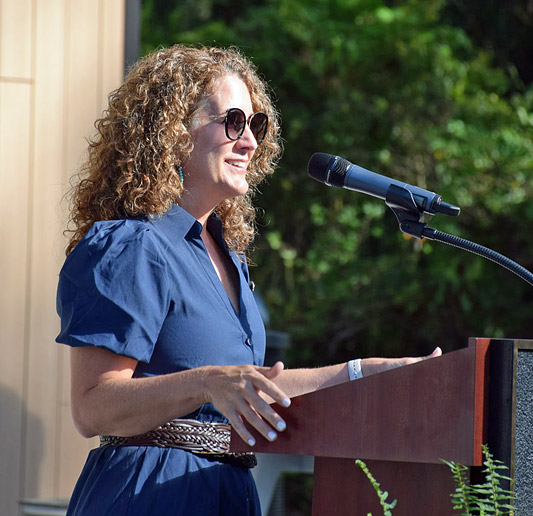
(258, 126)
(235, 121)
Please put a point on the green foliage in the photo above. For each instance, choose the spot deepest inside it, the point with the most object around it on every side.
(382, 495)
(393, 87)
(486, 498)
(462, 497)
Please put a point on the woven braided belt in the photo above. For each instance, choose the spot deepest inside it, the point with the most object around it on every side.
(209, 440)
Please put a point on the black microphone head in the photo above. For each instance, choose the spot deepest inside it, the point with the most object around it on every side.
(318, 166)
(327, 169)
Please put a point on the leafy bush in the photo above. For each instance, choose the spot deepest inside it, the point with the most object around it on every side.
(396, 88)
(486, 498)
(482, 499)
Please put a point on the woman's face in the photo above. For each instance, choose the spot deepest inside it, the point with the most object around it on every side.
(216, 168)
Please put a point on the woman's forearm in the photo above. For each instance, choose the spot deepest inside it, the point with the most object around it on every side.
(295, 382)
(132, 406)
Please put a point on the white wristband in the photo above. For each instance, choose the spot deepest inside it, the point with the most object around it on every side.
(354, 369)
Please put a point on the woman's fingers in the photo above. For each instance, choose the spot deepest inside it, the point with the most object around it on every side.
(264, 383)
(238, 425)
(437, 352)
(257, 411)
(235, 391)
(272, 372)
(262, 422)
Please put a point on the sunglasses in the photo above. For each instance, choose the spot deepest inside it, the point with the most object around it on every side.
(235, 122)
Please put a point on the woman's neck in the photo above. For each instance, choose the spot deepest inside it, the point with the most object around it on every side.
(201, 211)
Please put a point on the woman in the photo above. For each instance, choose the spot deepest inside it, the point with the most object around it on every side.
(166, 342)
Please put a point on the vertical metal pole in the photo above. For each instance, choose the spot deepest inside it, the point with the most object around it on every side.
(132, 43)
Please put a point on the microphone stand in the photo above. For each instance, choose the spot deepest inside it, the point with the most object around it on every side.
(401, 202)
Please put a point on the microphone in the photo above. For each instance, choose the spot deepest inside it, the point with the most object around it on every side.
(336, 171)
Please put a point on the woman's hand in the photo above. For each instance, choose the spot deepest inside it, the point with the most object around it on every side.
(371, 366)
(236, 392)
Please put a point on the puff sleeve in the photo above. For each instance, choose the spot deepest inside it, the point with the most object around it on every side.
(112, 290)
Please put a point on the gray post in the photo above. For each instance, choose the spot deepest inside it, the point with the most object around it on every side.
(132, 37)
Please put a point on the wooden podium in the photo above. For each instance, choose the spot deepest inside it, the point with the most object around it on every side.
(401, 423)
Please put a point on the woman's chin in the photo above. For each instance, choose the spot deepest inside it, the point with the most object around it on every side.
(239, 188)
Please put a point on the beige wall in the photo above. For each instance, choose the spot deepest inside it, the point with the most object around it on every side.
(58, 61)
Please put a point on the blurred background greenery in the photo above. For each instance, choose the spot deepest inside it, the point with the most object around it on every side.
(436, 93)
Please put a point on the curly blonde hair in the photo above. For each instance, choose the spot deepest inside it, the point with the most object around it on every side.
(143, 137)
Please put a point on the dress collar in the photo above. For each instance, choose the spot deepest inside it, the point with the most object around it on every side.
(176, 223)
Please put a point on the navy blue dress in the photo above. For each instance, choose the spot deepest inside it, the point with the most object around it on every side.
(147, 289)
